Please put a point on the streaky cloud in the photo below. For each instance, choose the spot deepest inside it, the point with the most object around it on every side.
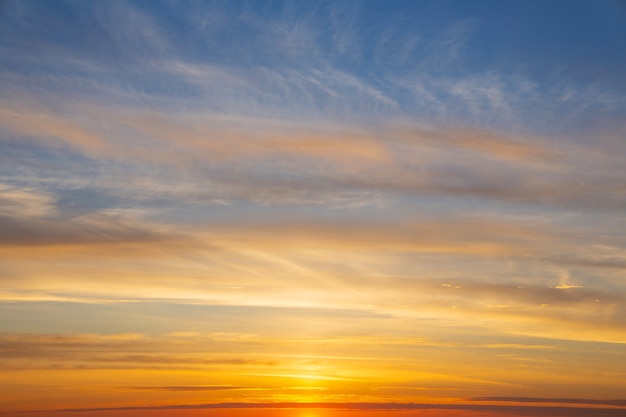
(517, 410)
(190, 388)
(408, 160)
(621, 403)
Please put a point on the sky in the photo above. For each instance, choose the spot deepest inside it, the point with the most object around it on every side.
(312, 209)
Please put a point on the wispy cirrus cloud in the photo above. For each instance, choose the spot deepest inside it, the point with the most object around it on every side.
(250, 253)
(406, 160)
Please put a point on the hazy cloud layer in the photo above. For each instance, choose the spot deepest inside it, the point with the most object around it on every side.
(553, 400)
(510, 410)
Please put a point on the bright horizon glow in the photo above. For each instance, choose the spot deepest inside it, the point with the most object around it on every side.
(296, 209)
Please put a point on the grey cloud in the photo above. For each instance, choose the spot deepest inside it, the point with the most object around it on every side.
(15, 201)
(34, 218)
(103, 352)
(533, 294)
(557, 411)
(616, 402)
(41, 345)
(48, 232)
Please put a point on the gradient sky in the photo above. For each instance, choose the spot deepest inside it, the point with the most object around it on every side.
(352, 202)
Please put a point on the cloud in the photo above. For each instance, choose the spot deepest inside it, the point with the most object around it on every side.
(92, 230)
(552, 313)
(498, 145)
(514, 410)
(533, 294)
(43, 228)
(621, 403)
(191, 388)
(248, 159)
(292, 262)
(33, 221)
(24, 202)
(205, 75)
(122, 351)
(46, 126)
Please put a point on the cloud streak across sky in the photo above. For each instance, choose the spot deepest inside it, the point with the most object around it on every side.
(383, 409)
(277, 202)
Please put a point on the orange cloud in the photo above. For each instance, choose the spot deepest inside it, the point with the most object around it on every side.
(270, 160)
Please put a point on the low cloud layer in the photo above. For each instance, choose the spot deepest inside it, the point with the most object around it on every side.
(620, 402)
(488, 410)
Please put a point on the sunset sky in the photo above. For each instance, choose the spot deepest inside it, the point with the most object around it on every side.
(303, 208)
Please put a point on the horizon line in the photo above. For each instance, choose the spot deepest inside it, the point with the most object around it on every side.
(606, 407)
